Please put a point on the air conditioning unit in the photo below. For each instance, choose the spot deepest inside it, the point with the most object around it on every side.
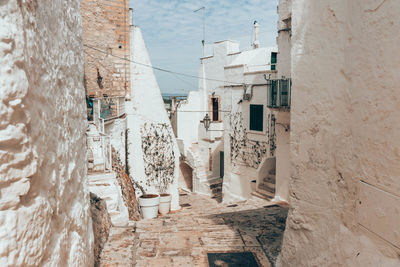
(279, 92)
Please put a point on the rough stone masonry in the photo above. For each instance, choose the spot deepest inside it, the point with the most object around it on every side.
(44, 203)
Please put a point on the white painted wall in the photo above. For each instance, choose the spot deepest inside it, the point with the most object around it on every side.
(146, 107)
(116, 129)
(283, 116)
(238, 174)
(44, 200)
(282, 153)
(344, 139)
(188, 121)
(234, 67)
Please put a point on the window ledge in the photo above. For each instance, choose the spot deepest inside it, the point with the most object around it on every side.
(256, 132)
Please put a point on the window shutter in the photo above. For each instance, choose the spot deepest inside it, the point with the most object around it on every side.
(256, 117)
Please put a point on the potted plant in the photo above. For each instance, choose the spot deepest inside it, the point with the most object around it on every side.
(162, 179)
(159, 158)
(148, 203)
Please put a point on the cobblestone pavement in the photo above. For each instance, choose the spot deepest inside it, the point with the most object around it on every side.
(203, 225)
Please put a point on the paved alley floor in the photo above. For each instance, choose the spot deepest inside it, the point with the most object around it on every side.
(184, 238)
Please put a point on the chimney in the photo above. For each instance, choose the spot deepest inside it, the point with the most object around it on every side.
(256, 42)
(131, 16)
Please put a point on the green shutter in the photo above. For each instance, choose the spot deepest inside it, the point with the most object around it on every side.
(273, 60)
(256, 117)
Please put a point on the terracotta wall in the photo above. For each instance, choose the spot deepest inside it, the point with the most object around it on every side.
(106, 28)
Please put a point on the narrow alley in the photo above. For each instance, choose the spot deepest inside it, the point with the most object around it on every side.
(199, 133)
(202, 226)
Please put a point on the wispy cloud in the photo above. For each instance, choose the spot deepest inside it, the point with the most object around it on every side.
(173, 32)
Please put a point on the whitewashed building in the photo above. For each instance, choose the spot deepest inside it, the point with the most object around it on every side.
(237, 150)
(153, 154)
(137, 127)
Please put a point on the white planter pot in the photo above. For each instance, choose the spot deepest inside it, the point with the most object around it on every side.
(165, 204)
(149, 206)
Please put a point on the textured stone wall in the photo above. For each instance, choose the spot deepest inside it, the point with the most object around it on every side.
(101, 225)
(345, 124)
(106, 27)
(127, 189)
(44, 203)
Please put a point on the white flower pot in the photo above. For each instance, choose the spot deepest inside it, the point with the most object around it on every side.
(149, 206)
(165, 204)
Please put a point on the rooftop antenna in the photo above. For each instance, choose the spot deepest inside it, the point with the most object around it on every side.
(204, 25)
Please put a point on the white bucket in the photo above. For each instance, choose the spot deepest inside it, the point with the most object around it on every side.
(165, 203)
(149, 206)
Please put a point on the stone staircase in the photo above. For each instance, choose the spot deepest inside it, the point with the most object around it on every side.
(215, 185)
(266, 187)
(201, 182)
(105, 186)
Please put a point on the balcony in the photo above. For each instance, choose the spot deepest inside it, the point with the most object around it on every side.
(279, 92)
(107, 108)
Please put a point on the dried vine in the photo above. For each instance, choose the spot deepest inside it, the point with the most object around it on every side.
(247, 151)
(158, 155)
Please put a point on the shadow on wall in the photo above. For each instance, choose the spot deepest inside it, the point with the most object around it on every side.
(266, 225)
(186, 175)
(216, 160)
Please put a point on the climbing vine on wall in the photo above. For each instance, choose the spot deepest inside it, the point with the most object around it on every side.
(249, 152)
(158, 155)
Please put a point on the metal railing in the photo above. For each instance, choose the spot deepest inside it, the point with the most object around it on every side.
(106, 108)
(110, 107)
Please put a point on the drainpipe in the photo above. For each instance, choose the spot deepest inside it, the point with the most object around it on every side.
(251, 89)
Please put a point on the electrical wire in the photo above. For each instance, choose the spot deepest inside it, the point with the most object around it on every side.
(159, 69)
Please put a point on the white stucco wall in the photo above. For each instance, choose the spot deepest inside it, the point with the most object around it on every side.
(44, 202)
(116, 129)
(344, 187)
(188, 121)
(247, 67)
(282, 130)
(230, 68)
(146, 107)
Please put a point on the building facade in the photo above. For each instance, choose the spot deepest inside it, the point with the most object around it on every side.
(344, 177)
(234, 155)
(121, 100)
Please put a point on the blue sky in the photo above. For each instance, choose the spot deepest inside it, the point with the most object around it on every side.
(173, 33)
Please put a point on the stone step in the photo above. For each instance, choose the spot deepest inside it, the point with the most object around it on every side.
(262, 195)
(216, 190)
(217, 197)
(216, 180)
(269, 179)
(267, 187)
(213, 186)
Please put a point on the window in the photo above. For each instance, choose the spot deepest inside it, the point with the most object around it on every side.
(256, 117)
(273, 60)
(278, 93)
(215, 108)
